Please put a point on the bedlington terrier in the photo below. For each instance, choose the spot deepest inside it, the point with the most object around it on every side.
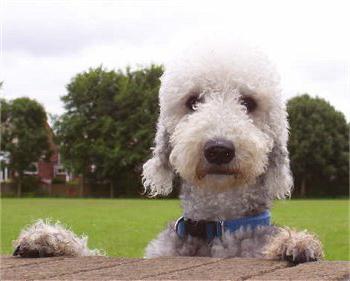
(222, 134)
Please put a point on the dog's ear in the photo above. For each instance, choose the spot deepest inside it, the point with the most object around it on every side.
(278, 178)
(157, 176)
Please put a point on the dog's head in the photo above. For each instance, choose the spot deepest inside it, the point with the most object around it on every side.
(222, 124)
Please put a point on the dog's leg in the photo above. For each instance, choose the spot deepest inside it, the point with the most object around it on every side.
(45, 239)
(296, 247)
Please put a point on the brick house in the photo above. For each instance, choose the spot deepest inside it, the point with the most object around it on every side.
(45, 170)
(48, 170)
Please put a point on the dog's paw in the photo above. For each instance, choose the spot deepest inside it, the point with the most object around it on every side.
(44, 239)
(25, 251)
(295, 247)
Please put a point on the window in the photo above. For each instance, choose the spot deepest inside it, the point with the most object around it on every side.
(60, 170)
(32, 169)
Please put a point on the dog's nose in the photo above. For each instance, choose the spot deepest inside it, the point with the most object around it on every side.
(219, 151)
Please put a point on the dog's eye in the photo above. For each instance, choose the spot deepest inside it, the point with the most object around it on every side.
(249, 103)
(192, 103)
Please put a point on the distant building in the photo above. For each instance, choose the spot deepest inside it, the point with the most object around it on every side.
(45, 170)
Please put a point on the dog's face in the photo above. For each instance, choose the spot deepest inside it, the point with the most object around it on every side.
(217, 141)
(222, 123)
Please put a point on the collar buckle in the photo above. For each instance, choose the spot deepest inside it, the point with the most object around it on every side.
(177, 223)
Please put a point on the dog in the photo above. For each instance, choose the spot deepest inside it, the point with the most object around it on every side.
(222, 134)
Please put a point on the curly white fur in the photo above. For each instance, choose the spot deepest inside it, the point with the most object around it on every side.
(221, 76)
(293, 245)
(44, 238)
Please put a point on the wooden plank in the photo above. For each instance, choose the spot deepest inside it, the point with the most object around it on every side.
(172, 268)
(11, 262)
(147, 268)
(226, 269)
(33, 268)
(312, 271)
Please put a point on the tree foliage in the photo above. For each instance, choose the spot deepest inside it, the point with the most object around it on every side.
(109, 123)
(24, 134)
(318, 147)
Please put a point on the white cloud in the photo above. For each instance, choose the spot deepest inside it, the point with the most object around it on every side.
(45, 43)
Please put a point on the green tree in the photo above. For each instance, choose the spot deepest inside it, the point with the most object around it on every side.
(318, 146)
(108, 125)
(24, 133)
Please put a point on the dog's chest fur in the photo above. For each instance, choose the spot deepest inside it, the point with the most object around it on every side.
(206, 204)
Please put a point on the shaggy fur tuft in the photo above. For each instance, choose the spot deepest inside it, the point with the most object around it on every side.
(289, 244)
(45, 239)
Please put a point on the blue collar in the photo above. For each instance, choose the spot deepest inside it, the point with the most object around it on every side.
(210, 229)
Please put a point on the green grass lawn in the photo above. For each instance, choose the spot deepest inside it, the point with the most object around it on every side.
(124, 227)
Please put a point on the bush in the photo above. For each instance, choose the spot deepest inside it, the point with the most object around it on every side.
(30, 184)
(73, 182)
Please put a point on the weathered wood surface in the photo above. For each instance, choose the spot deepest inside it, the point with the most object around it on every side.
(105, 268)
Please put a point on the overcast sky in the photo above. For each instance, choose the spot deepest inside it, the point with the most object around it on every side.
(45, 43)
